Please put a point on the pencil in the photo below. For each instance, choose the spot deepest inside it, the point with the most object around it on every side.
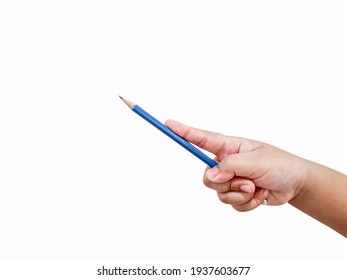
(166, 130)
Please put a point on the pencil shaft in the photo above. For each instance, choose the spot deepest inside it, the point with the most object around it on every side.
(166, 130)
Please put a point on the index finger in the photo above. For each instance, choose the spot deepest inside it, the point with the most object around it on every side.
(210, 141)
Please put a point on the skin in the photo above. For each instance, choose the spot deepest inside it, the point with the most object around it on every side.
(249, 172)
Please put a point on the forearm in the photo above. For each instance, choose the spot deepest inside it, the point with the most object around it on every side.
(323, 196)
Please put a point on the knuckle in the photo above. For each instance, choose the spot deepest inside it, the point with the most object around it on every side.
(207, 182)
(241, 208)
(223, 198)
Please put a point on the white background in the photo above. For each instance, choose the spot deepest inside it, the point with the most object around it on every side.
(84, 178)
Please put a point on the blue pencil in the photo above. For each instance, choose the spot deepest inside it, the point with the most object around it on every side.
(163, 128)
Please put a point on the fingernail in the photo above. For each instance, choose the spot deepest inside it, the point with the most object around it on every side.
(246, 188)
(212, 173)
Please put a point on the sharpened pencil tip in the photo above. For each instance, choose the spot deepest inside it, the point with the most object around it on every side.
(130, 104)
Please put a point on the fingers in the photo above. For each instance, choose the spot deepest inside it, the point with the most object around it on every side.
(243, 195)
(244, 201)
(259, 196)
(239, 192)
(210, 141)
(234, 184)
(233, 178)
(234, 165)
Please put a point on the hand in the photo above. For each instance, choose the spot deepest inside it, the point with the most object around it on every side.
(248, 172)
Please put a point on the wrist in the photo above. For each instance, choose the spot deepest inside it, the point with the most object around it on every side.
(304, 171)
(322, 195)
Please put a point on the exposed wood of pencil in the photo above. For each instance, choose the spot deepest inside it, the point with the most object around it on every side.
(130, 104)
